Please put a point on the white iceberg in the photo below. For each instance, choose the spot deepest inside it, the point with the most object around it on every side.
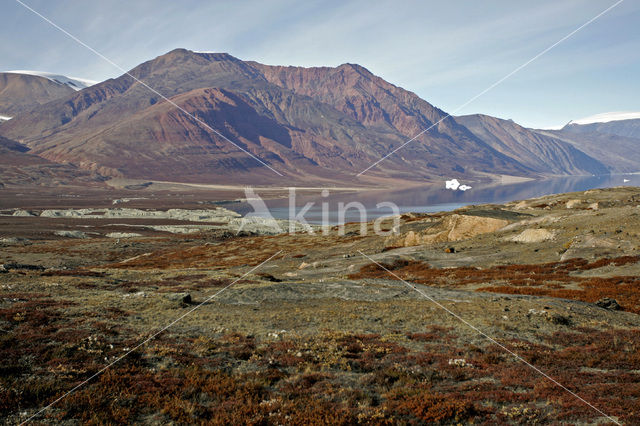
(452, 184)
(455, 185)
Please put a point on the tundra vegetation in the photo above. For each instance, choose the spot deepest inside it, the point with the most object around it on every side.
(321, 333)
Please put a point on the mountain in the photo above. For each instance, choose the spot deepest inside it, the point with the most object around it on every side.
(20, 168)
(618, 153)
(626, 124)
(387, 109)
(21, 91)
(71, 82)
(319, 124)
(310, 124)
(613, 138)
(545, 154)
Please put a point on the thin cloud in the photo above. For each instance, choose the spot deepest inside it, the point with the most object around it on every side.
(440, 51)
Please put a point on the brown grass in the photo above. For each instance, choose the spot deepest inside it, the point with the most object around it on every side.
(548, 279)
(339, 378)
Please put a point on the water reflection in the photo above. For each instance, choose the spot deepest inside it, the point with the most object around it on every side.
(433, 198)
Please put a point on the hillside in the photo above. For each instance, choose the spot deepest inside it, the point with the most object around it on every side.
(620, 154)
(626, 124)
(18, 167)
(540, 152)
(22, 92)
(120, 128)
(312, 125)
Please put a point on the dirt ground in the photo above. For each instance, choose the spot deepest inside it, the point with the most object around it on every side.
(533, 322)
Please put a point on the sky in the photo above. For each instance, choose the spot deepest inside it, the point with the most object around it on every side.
(446, 52)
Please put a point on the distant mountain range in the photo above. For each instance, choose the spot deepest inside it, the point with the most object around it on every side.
(21, 91)
(313, 125)
(626, 124)
(542, 153)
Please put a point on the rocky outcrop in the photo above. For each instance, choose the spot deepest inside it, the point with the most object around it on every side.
(532, 236)
(217, 218)
(122, 235)
(23, 213)
(71, 234)
(218, 215)
(608, 303)
(593, 246)
(453, 227)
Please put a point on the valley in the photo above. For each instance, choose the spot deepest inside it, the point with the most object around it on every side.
(154, 270)
(310, 328)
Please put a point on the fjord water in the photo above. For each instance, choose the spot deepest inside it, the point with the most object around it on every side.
(434, 198)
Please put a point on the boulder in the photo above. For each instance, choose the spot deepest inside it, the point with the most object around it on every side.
(184, 298)
(411, 239)
(521, 205)
(608, 303)
(268, 277)
(533, 236)
(572, 204)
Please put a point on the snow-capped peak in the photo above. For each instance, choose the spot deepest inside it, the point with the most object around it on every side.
(73, 82)
(607, 117)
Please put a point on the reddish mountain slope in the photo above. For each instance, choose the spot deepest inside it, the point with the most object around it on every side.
(383, 107)
(20, 168)
(310, 124)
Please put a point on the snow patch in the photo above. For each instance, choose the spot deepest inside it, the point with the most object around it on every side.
(607, 117)
(73, 82)
(5, 118)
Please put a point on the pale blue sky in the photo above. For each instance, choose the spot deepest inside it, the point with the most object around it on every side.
(446, 53)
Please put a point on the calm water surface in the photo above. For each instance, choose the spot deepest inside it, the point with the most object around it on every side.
(434, 198)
